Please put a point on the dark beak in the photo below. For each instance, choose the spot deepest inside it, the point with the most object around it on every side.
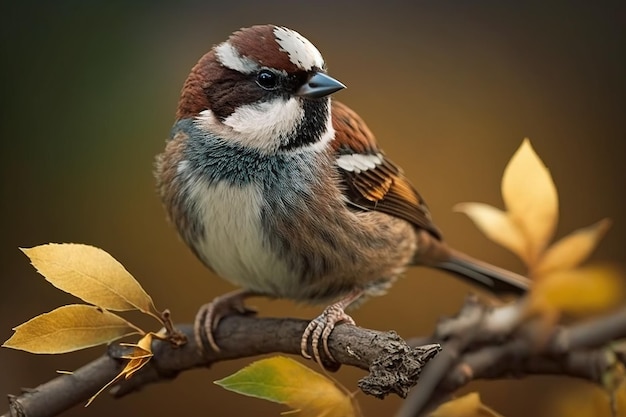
(319, 85)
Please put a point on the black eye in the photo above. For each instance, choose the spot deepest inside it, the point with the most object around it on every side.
(267, 79)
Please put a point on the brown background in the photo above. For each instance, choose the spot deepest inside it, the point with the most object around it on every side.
(450, 89)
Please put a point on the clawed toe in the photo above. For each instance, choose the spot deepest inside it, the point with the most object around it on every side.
(319, 330)
(210, 315)
(322, 326)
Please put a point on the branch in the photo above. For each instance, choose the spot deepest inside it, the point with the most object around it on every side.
(481, 342)
(486, 343)
(394, 366)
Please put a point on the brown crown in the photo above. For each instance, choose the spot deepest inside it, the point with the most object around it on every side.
(257, 43)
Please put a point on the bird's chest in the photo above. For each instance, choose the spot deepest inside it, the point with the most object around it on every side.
(233, 242)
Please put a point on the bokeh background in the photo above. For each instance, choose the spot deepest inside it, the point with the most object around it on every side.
(88, 92)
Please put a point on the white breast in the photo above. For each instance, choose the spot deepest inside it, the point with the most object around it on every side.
(233, 243)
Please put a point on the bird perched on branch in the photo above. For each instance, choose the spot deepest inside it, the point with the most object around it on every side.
(285, 193)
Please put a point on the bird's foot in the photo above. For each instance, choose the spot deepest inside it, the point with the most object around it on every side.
(320, 328)
(210, 314)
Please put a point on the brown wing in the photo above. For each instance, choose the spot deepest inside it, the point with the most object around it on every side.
(372, 181)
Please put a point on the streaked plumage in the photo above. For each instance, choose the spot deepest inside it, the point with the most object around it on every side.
(286, 194)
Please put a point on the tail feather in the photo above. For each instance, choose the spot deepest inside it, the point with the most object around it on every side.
(490, 277)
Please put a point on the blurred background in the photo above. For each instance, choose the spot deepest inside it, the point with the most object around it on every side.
(88, 93)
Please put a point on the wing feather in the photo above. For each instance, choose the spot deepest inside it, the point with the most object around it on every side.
(372, 181)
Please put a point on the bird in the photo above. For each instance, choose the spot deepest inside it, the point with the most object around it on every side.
(283, 191)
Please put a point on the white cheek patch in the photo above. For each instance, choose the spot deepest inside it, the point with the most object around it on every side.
(357, 162)
(207, 122)
(231, 58)
(263, 125)
(301, 52)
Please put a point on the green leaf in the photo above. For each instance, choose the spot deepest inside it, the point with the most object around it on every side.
(285, 381)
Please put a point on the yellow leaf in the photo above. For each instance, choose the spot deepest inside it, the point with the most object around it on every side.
(587, 401)
(69, 328)
(573, 249)
(466, 406)
(285, 381)
(618, 397)
(90, 274)
(141, 355)
(496, 225)
(531, 199)
(586, 290)
(137, 359)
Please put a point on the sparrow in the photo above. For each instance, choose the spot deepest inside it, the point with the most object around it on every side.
(286, 194)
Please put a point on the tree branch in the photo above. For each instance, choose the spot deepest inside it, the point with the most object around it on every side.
(481, 342)
(475, 348)
(394, 366)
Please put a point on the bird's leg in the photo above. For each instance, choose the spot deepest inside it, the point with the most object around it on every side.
(319, 329)
(210, 314)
